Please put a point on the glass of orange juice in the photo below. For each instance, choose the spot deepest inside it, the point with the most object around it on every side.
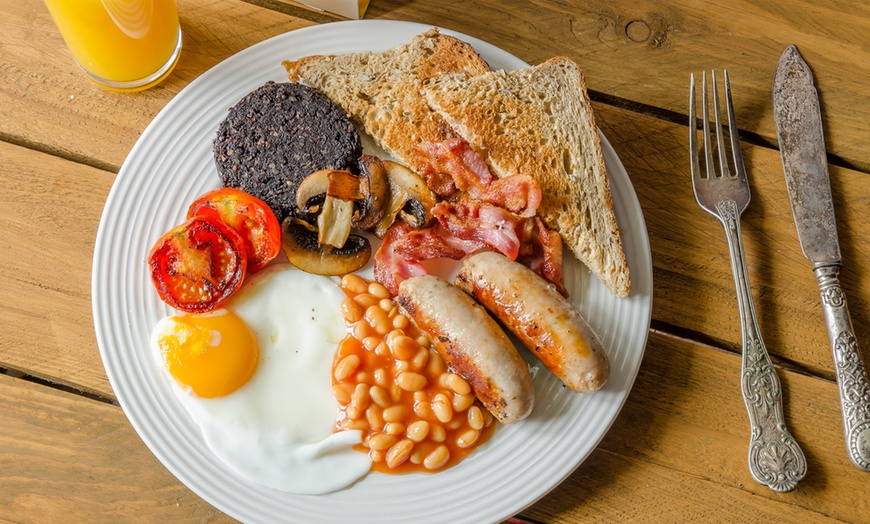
(124, 45)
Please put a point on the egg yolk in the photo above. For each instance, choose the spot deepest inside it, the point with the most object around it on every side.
(214, 353)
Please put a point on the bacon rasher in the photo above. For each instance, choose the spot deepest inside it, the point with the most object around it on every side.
(479, 211)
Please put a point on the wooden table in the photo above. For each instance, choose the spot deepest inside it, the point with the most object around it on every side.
(677, 452)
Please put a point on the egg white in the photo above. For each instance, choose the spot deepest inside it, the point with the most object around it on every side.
(277, 429)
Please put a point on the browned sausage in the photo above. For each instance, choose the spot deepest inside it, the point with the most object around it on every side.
(543, 320)
(472, 344)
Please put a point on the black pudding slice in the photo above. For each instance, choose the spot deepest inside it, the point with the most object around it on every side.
(276, 136)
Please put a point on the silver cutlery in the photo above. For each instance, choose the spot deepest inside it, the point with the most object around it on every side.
(775, 459)
(802, 146)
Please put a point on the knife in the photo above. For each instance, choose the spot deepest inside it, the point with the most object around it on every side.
(802, 146)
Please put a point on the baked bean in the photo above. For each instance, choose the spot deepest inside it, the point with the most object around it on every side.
(399, 453)
(370, 343)
(394, 428)
(351, 311)
(380, 396)
(364, 377)
(381, 441)
(418, 455)
(353, 284)
(443, 380)
(455, 423)
(411, 381)
(423, 409)
(402, 366)
(377, 290)
(381, 377)
(350, 424)
(437, 458)
(365, 300)
(420, 359)
(387, 305)
(462, 402)
(400, 322)
(396, 413)
(342, 393)
(374, 417)
(346, 367)
(361, 330)
(442, 407)
(359, 401)
(403, 347)
(475, 418)
(418, 430)
(458, 384)
(437, 433)
(436, 364)
(378, 319)
(467, 438)
(423, 341)
(382, 350)
(395, 392)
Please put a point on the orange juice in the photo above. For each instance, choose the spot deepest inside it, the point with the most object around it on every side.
(122, 44)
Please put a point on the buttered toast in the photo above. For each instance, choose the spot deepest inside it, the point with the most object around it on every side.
(539, 121)
(381, 91)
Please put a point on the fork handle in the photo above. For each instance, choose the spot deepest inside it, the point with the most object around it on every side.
(852, 381)
(775, 459)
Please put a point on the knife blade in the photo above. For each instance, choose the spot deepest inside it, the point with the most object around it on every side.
(798, 121)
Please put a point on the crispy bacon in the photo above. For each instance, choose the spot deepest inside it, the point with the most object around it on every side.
(482, 212)
(472, 220)
(391, 268)
(543, 253)
(519, 194)
(464, 167)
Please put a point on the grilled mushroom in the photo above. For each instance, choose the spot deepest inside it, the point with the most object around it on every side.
(304, 250)
(410, 199)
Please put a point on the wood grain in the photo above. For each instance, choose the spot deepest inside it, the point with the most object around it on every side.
(693, 287)
(69, 459)
(41, 80)
(670, 455)
(644, 50)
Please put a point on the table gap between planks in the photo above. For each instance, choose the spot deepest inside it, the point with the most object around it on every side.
(675, 452)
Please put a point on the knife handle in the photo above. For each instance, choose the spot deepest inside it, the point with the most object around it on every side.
(852, 381)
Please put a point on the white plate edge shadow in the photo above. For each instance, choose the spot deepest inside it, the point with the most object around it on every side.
(177, 444)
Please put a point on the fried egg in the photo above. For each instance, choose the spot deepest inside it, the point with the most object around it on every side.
(255, 378)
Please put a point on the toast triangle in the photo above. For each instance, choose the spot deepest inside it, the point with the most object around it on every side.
(539, 121)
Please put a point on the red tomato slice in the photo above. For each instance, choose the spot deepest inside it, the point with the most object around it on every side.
(249, 216)
(198, 265)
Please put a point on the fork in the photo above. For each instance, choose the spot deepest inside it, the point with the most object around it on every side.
(775, 459)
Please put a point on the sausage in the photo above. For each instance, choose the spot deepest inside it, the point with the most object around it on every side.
(472, 344)
(541, 318)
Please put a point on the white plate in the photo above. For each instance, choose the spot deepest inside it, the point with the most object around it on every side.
(172, 164)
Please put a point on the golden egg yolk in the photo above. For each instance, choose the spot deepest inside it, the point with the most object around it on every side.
(213, 353)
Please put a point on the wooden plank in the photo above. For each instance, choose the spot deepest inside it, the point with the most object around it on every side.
(50, 331)
(677, 452)
(693, 286)
(644, 50)
(50, 212)
(54, 102)
(69, 459)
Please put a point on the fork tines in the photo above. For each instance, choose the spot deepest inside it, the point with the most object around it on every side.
(720, 143)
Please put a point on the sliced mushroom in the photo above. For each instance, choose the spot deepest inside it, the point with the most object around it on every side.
(303, 250)
(331, 195)
(376, 193)
(410, 199)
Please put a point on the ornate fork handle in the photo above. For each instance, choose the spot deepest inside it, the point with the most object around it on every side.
(852, 381)
(775, 459)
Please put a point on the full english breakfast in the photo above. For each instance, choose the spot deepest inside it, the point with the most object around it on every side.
(412, 370)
